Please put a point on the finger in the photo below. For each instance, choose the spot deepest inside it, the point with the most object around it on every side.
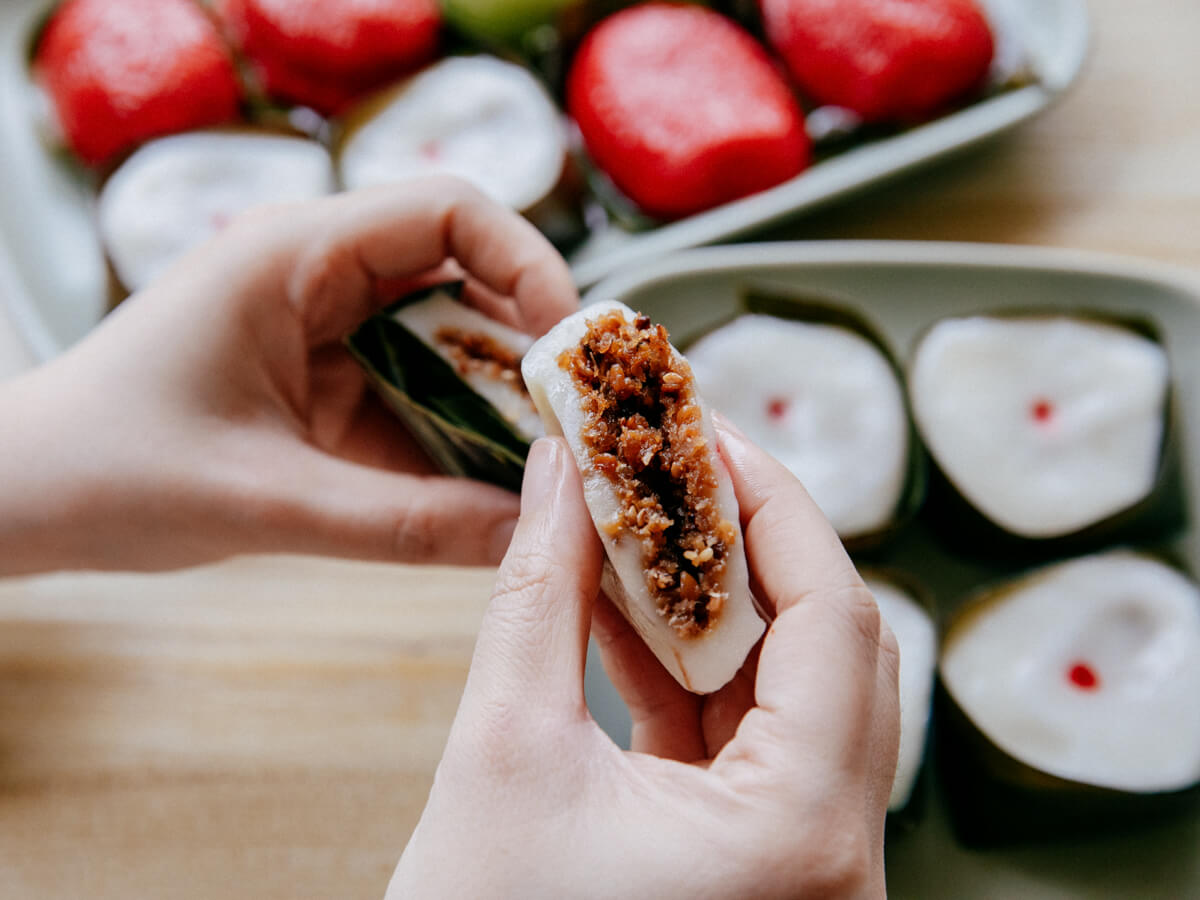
(357, 239)
(817, 676)
(349, 420)
(533, 641)
(474, 293)
(665, 717)
(493, 305)
(389, 290)
(375, 437)
(786, 533)
(817, 671)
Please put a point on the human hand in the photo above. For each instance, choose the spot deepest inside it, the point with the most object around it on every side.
(217, 412)
(775, 786)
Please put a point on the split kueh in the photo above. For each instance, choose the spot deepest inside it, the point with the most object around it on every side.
(452, 375)
(485, 353)
(610, 381)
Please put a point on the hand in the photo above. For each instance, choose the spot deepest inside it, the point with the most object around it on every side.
(775, 786)
(217, 411)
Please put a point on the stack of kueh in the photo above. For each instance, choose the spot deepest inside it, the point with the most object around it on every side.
(1042, 446)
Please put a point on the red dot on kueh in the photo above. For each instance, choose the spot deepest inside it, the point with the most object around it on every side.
(777, 407)
(1083, 676)
(1042, 410)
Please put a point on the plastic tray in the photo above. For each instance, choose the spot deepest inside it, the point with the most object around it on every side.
(901, 288)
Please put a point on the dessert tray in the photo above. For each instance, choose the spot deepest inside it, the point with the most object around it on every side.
(902, 288)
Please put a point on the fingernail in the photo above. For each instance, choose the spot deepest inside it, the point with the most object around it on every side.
(543, 472)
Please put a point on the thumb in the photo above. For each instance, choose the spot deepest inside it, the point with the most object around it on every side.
(533, 639)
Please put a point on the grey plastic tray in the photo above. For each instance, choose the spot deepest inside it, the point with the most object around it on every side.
(902, 287)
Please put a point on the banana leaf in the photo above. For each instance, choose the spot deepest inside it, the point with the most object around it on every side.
(461, 431)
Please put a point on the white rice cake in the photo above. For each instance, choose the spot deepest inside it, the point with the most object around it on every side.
(1088, 670)
(916, 636)
(480, 118)
(174, 193)
(1045, 425)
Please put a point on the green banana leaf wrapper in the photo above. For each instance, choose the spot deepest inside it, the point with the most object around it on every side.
(462, 432)
(996, 800)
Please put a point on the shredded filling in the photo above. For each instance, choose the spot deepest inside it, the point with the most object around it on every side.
(474, 352)
(643, 432)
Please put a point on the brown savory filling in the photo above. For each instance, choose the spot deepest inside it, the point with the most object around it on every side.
(643, 431)
(483, 354)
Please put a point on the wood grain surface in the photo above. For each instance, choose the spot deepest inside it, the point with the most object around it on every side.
(269, 727)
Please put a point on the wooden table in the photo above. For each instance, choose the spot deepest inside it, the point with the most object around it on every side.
(269, 727)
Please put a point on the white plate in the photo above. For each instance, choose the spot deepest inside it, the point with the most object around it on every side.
(56, 281)
(901, 288)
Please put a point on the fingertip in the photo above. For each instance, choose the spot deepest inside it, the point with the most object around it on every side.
(551, 297)
(454, 521)
(505, 252)
(313, 502)
(724, 423)
(502, 309)
(554, 518)
(543, 289)
(756, 474)
(739, 446)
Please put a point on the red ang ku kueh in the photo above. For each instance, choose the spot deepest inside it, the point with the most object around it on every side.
(121, 73)
(886, 60)
(327, 53)
(683, 109)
